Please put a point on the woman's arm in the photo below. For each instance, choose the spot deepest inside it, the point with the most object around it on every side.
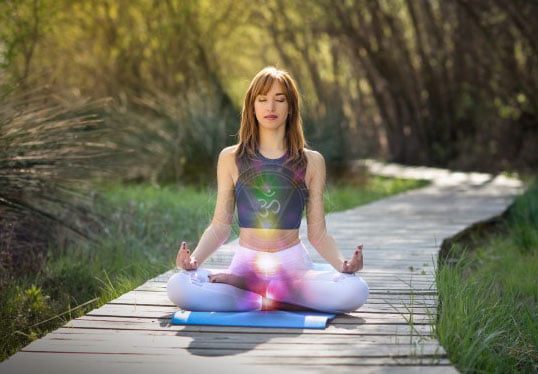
(221, 225)
(318, 236)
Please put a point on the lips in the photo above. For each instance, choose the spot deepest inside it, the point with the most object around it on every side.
(271, 116)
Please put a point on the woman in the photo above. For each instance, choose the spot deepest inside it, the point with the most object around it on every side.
(271, 177)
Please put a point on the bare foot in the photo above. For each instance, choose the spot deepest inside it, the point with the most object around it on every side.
(356, 262)
(248, 284)
(228, 278)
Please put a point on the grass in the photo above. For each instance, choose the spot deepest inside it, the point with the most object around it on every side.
(148, 223)
(488, 317)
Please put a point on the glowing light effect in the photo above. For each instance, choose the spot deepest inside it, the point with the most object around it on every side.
(265, 194)
(267, 263)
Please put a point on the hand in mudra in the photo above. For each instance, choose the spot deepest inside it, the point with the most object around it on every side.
(184, 259)
(356, 262)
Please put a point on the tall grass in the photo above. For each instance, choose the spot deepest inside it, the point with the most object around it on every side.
(48, 151)
(488, 317)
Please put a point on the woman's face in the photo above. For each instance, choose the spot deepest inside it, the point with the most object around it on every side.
(272, 109)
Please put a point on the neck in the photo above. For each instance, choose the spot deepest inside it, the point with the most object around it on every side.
(272, 141)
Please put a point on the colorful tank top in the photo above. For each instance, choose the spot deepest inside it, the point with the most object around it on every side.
(270, 195)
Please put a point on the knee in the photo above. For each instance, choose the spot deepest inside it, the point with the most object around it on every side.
(361, 291)
(355, 293)
(176, 289)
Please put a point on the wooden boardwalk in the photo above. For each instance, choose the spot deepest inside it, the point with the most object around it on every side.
(392, 332)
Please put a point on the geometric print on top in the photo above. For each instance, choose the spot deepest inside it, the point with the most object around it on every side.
(270, 195)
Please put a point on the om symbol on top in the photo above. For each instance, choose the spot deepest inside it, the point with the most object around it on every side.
(268, 205)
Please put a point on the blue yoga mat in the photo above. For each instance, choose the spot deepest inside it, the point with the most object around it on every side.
(256, 318)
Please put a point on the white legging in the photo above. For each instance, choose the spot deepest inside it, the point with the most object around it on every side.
(286, 276)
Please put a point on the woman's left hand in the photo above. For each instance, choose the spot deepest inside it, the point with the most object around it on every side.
(356, 262)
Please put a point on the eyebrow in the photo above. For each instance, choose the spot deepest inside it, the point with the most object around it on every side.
(277, 94)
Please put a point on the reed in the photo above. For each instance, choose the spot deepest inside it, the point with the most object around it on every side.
(50, 149)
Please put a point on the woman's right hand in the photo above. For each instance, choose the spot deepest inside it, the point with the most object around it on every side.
(184, 259)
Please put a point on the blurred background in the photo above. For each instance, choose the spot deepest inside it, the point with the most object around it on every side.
(444, 83)
(113, 113)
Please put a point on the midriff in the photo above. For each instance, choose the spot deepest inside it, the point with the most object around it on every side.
(268, 240)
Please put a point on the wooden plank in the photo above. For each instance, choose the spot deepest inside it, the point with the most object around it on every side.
(144, 311)
(247, 344)
(406, 296)
(168, 344)
(276, 338)
(368, 276)
(160, 299)
(161, 286)
(107, 363)
(373, 284)
(160, 324)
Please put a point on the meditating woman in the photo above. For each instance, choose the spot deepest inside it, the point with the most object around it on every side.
(271, 176)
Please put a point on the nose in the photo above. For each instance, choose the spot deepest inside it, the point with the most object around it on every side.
(272, 105)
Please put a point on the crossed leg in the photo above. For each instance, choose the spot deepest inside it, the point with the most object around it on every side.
(251, 282)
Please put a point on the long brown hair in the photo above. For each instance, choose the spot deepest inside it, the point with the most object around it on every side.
(249, 132)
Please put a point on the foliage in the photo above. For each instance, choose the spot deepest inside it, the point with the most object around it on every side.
(448, 83)
(489, 298)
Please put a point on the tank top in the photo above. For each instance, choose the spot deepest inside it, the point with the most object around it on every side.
(270, 195)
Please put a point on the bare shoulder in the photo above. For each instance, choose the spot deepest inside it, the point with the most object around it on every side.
(227, 161)
(314, 156)
(316, 163)
(229, 150)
